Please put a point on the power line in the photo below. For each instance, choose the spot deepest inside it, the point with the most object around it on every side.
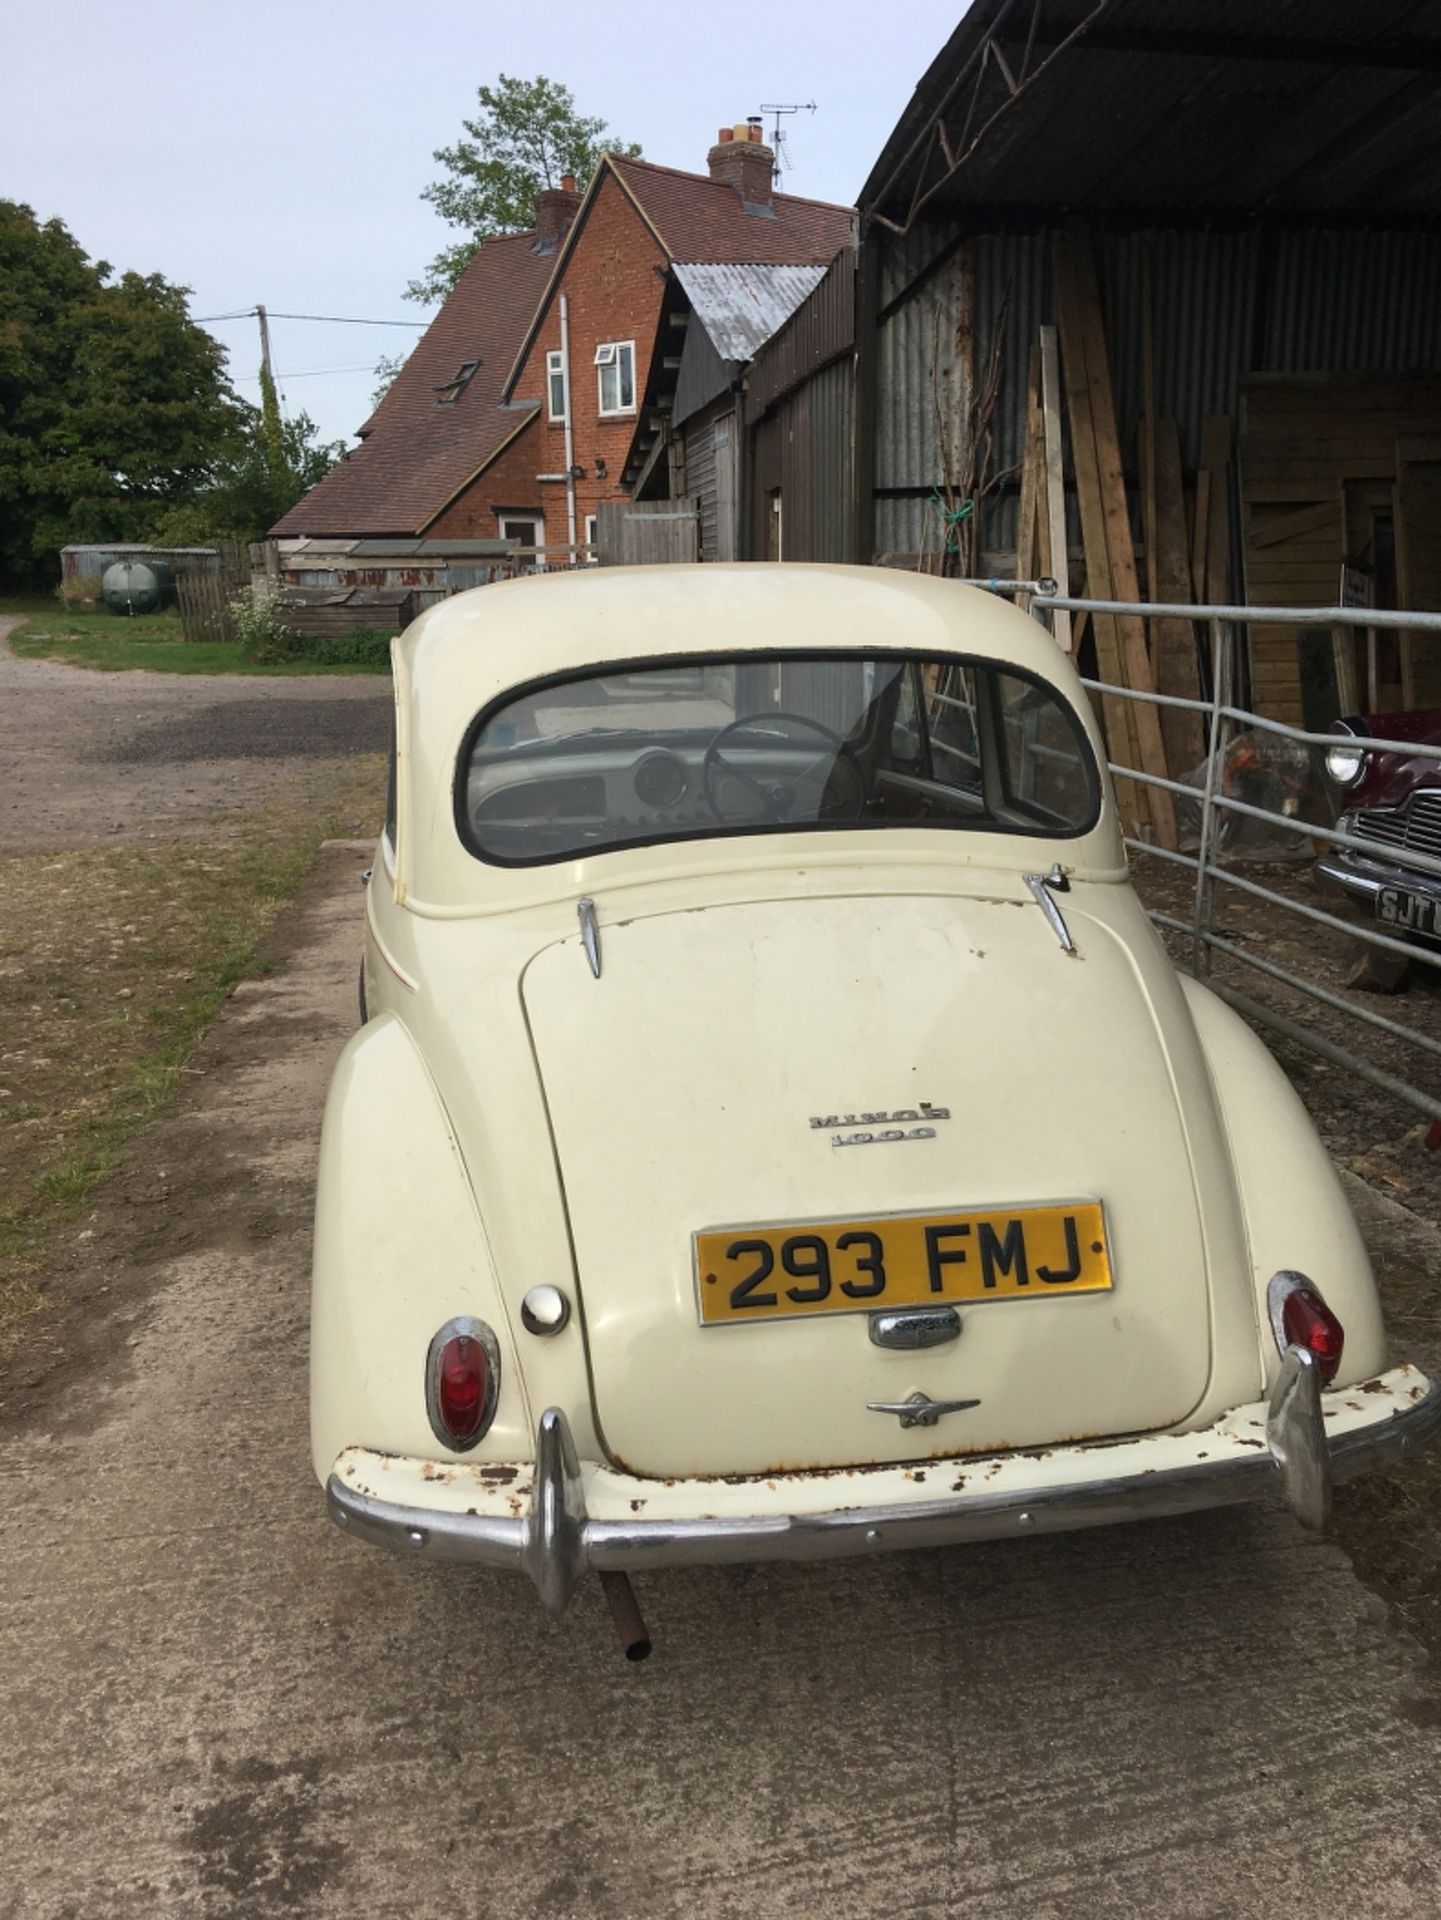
(330, 319)
(346, 320)
(311, 373)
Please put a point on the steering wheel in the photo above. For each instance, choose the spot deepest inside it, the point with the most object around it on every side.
(777, 798)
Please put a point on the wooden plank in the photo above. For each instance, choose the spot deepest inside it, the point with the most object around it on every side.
(1200, 533)
(1216, 446)
(1418, 572)
(648, 533)
(1117, 714)
(1080, 294)
(1340, 392)
(1173, 644)
(1148, 428)
(1055, 486)
(1291, 527)
(1029, 564)
(204, 600)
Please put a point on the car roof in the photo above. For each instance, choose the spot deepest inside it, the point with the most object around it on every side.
(507, 634)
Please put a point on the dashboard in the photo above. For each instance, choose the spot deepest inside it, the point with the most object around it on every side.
(579, 798)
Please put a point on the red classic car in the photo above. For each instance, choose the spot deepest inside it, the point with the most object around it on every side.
(1391, 800)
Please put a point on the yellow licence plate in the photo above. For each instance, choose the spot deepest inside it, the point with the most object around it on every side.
(900, 1260)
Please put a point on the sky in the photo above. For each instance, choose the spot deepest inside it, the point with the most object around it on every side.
(274, 154)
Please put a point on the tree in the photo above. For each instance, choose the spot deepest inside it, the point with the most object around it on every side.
(385, 370)
(526, 136)
(115, 408)
(260, 472)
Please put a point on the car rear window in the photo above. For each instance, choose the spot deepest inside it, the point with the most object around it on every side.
(632, 755)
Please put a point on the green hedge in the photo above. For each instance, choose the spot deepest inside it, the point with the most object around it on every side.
(361, 647)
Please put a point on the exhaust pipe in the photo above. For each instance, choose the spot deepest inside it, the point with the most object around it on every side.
(626, 1613)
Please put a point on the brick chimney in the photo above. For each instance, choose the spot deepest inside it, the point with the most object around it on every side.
(741, 159)
(555, 209)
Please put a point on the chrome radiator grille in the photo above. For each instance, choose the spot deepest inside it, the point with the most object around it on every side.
(1415, 825)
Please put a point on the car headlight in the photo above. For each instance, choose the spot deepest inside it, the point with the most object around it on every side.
(1344, 763)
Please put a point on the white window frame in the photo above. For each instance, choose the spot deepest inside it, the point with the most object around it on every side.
(535, 519)
(555, 371)
(608, 354)
(592, 558)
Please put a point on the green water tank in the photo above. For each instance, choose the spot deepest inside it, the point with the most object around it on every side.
(137, 586)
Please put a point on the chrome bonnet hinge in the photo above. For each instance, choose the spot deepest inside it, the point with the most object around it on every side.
(1044, 887)
(589, 934)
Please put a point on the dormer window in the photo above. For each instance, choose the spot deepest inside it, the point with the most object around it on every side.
(449, 391)
(615, 361)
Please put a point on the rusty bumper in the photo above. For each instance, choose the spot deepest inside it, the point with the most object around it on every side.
(555, 1518)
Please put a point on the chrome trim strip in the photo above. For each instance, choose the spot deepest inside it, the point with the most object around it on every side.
(555, 1542)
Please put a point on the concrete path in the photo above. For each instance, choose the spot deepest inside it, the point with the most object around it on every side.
(213, 1704)
(92, 759)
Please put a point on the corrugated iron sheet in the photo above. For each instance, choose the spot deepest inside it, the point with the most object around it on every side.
(1224, 302)
(1353, 303)
(703, 374)
(89, 562)
(821, 328)
(1180, 124)
(805, 450)
(741, 307)
(700, 479)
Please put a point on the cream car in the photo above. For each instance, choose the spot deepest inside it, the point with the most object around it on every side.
(776, 1129)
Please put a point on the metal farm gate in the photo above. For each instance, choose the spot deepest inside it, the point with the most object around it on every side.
(1202, 928)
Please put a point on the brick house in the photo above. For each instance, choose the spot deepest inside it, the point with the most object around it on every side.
(542, 386)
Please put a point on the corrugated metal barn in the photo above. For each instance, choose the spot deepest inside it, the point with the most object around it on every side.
(734, 310)
(1254, 195)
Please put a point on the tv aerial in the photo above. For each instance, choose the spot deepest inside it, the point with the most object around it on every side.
(780, 146)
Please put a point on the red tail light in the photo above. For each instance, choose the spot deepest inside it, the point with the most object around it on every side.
(1308, 1322)
(462, 1383)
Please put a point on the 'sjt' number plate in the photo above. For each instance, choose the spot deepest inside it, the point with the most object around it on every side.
(907, 1260)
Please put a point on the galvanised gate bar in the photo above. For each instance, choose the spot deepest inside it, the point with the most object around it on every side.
(1223, 721)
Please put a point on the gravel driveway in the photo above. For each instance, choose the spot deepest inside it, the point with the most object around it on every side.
(92, 758)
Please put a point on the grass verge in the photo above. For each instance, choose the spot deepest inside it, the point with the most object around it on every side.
(113, 962)
(148, 642)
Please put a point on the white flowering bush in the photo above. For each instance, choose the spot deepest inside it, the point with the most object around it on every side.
(259, 628)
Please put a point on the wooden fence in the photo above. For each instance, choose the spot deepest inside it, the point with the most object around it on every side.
(634, 533)
(204, 602)
(204, 598)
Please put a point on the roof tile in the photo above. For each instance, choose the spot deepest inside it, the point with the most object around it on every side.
(417, 453)
(703, 220)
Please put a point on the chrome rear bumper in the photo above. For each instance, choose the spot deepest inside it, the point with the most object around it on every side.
(555, 1518)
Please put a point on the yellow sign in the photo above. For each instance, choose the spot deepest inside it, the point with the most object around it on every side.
(901, 1260)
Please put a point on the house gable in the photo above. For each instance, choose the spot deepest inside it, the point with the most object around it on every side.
(612, 271)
